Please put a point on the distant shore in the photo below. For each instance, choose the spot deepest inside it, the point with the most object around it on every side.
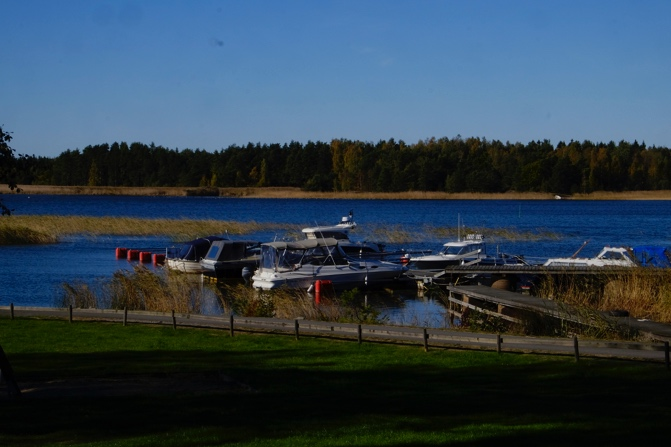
(297, 193)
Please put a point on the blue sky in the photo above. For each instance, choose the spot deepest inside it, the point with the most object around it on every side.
(206, 74)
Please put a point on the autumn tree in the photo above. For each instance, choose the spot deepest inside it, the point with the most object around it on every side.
(7, 167)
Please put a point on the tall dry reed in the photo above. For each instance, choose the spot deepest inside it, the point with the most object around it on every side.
(21, 235)
(142, 289)
(644, 293)
(297, 193)
(165, 291)
(51, 228)
(346, 307)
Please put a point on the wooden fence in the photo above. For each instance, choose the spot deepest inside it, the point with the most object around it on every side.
(428, 338)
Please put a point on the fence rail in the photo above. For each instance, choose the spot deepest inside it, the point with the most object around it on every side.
(426, 337)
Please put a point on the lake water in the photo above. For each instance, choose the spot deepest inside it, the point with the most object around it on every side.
(33, 275)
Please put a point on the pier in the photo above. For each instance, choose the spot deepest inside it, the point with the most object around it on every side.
(514, 307)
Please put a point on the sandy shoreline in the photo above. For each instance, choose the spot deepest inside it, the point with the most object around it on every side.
(297, 193)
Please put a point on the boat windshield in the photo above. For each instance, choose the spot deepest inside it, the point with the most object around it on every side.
(614, 255)
(321, 234)
(331, 255)
(460, 249)
(272, 258)
(268, 257)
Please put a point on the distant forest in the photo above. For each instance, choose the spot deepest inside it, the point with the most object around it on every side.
(445, 164)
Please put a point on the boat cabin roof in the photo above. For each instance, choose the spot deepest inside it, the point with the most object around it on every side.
(469, 239)
(614, 253)
(303, 244)
(228, 250)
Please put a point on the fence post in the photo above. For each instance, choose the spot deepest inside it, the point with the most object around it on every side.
(575, 348)
(70, 313)
(11, 310)
(358, 334)
(426, 341)
(666, 355)
(125, 315)
(174, 320)
(231, 326)
(498, 343)
(296, 328)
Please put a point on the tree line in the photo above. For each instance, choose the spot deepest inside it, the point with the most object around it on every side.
(445, 164)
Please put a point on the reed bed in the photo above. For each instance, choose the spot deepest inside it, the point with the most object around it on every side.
(20, 235)
(642, 293)
(42, 229)
(275, 192)
(50, 228)
(398, 235)
(166, 290)
(142, 289)
(297, 193)
(346, 307)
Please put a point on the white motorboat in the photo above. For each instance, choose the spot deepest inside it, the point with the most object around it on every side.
(187, 258)
(469, 250)
(299, 264)
(227, 258)
(340, 232)
(607, 257)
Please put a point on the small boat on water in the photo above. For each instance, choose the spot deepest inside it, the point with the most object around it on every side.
(357, 249)
(187, 258)
(227, 258)
(468, 251)
(607, 257)
(300, 264)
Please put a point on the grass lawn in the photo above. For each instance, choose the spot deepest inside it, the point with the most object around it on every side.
(272, 390)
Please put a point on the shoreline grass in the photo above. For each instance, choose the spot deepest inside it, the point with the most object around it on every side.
(53, 227)
(41, 229)
(261, 390)
(297, 193)
(643, 292)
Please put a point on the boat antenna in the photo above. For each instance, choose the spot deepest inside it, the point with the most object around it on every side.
(580, 249)
(458, 227)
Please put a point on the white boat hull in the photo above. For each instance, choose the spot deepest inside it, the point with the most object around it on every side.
(184, 266)
(341, 276)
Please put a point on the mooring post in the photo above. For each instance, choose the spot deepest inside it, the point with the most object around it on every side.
(174, 320)
(359, 335)
(498, 343)
(426, 340)
(11, 310)
(575, 348)
(125, 315)
(70, 313)
(231, 326)
(296, 328)
(666, 355)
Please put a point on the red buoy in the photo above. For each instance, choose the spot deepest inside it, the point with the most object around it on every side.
(321, 285)
(158, 259)
(145, 256)
(133, 255)
(121, 252)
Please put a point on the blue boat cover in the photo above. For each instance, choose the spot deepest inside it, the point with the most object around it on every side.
(652, 256)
